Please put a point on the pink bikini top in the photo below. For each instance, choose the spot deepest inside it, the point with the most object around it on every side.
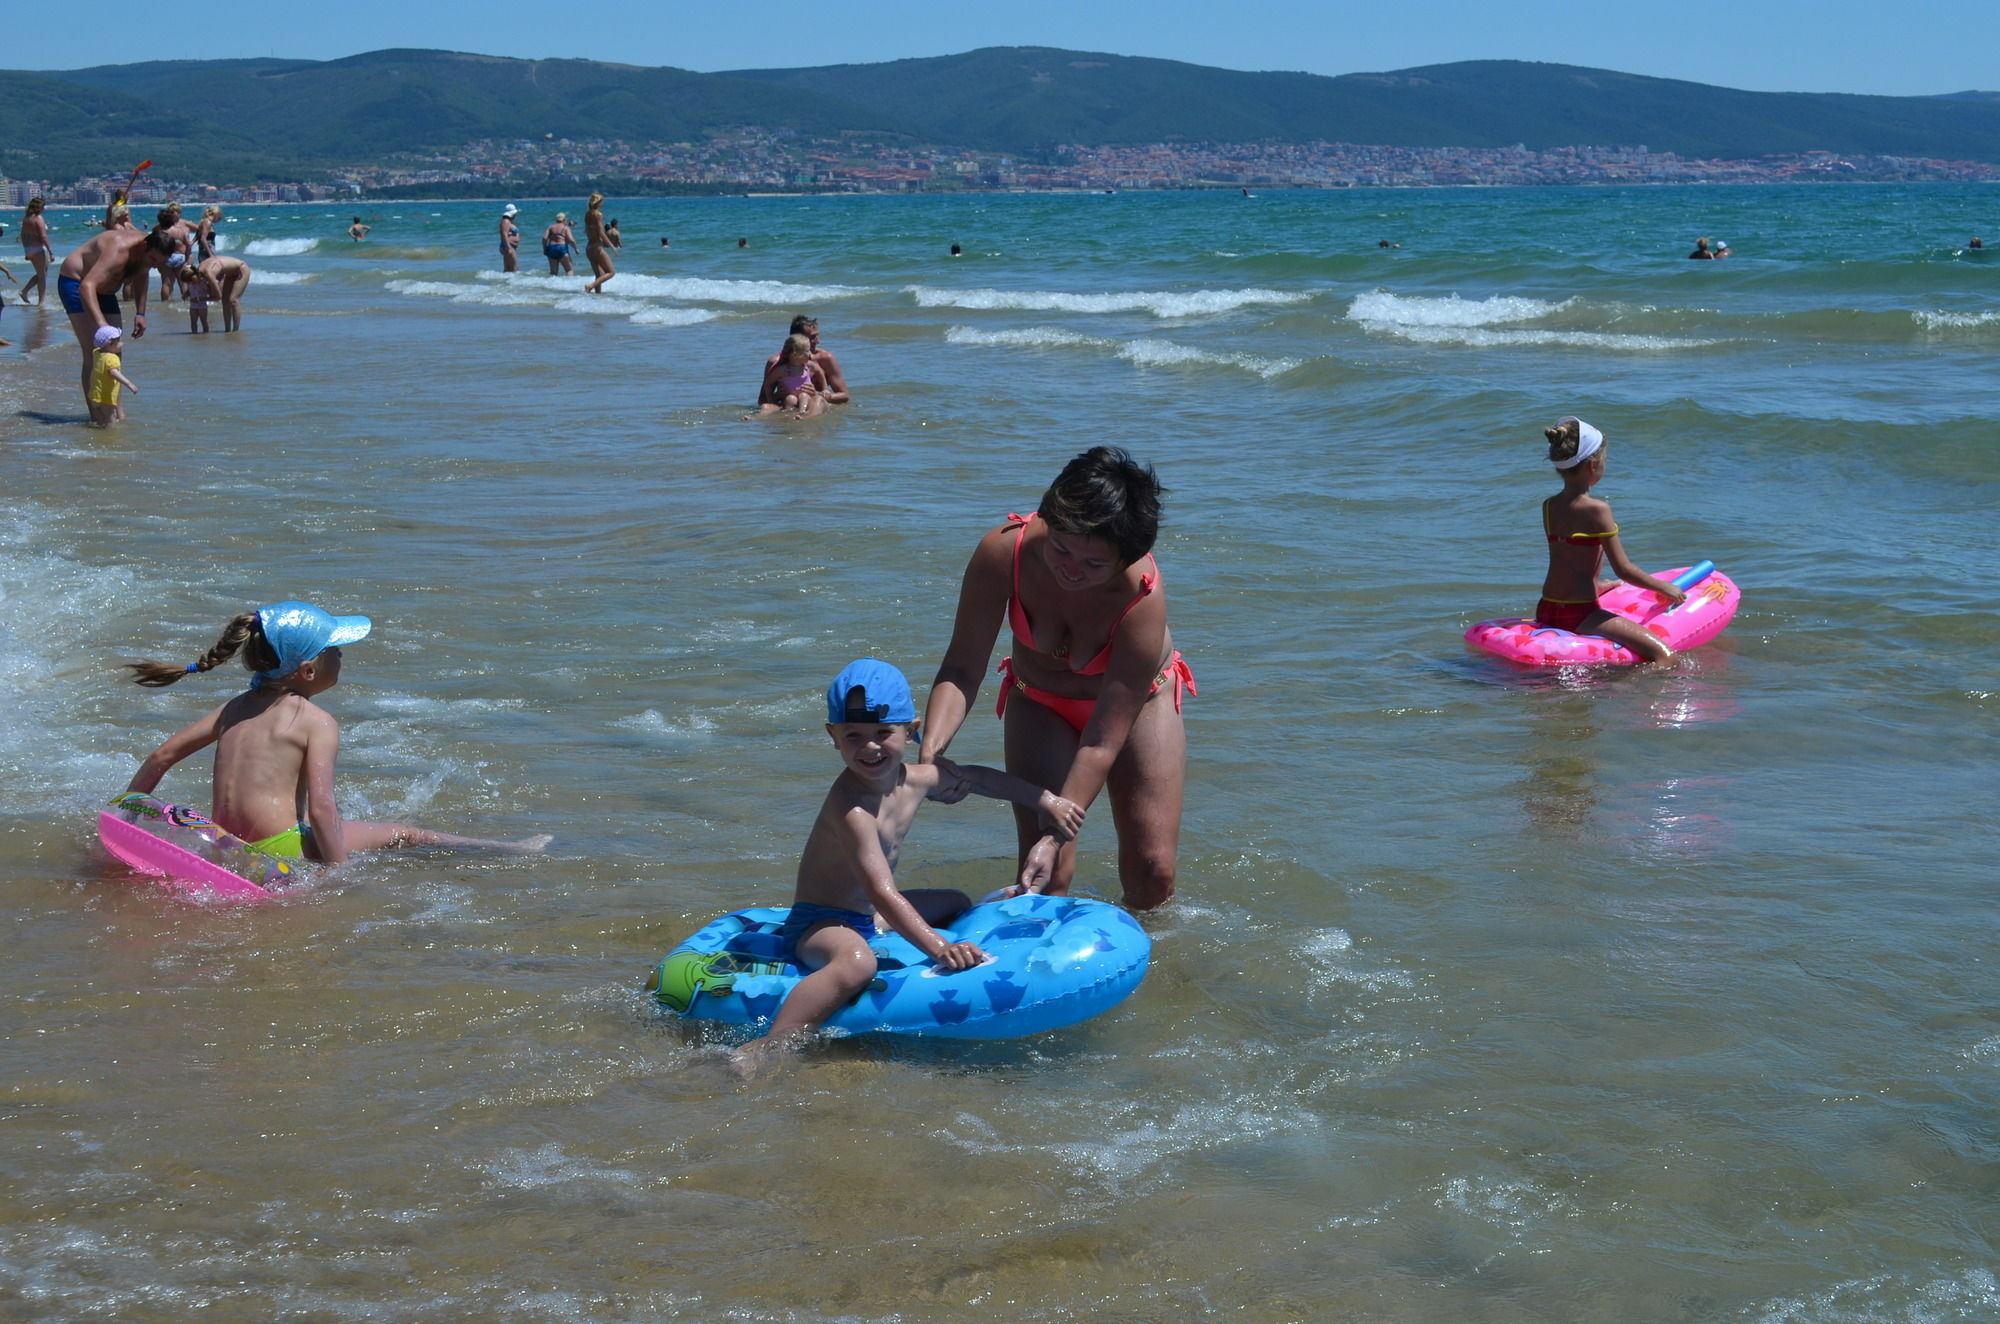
(1017, 616)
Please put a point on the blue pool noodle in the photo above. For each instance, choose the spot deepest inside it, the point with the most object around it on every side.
(1693, 575)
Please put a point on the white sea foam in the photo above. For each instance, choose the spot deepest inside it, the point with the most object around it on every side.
(1485, 339)
(393, 701)
(1030, 337)
(1985, 1050)
(694, 726)
(692, 288)
(262, 277)
(1167, 354)
(276, 247)
(1944, 321)
(1955, 1293)
(672, 316)
(1145, 353)
(48, 600)
(602, 305)
(629, 298)
(1509, 1204)
(1397, 310)
(527, 1169)
(1326, 943)
(529, 297)
(1160, 303)
(1330, 962)
(1482, 323)
(500, 296)
(1135, 1142)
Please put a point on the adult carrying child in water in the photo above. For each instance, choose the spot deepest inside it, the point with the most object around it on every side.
(275, 748)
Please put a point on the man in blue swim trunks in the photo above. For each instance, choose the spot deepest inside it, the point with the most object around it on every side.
(847, 872)
(91, 278)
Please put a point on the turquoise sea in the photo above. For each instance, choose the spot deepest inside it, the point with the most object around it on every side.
(1656, 995)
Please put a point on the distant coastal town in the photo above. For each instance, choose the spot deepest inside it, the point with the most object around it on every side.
(760, 160)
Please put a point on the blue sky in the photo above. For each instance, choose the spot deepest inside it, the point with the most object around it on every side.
(1907, 49)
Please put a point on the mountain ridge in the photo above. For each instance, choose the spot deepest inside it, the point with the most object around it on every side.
(279, 115)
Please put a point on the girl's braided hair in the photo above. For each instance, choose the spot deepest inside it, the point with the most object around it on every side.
(244, 634)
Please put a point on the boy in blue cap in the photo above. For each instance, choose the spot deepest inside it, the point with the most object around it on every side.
(846, 874)
(274, 747)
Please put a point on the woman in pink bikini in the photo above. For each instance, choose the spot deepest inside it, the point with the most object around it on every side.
(1091, 693)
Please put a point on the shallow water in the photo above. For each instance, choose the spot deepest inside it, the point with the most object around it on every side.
(1492, 997)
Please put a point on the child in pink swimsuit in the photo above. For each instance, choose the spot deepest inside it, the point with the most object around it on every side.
(800, 385)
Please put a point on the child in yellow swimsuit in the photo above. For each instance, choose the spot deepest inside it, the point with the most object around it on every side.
(106, 378)
(274, 747)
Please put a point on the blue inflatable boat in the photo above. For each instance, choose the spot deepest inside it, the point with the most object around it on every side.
(1056, 960)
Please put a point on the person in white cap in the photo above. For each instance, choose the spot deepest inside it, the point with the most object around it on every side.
(510, 239)
(106, 378)
(275, 747)
(1582, 536)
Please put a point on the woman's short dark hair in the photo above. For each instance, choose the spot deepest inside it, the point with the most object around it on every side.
(1105, 493)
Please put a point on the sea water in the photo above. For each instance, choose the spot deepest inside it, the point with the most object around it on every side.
(1493, 996)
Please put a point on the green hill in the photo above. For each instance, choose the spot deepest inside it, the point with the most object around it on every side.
(52, 128)
(365, 107)
(250, 119)
(1019, 98)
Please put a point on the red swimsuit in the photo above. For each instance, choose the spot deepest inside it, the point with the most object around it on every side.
(1556, 612)
(1076, 711)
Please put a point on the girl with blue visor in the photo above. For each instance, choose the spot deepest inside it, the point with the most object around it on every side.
(275, 747)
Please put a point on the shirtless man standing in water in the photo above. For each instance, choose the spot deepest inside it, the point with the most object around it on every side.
(91, 278)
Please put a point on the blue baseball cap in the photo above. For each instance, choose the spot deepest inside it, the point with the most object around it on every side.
(299, 632)
(869, 690)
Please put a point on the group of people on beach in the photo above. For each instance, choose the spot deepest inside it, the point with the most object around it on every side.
(117, 263)
(1091, 694)
(601, 240)
(1091, 691)
(1091, 698)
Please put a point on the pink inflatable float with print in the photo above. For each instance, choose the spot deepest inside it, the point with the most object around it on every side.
(1711, 602)
(185, 851)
